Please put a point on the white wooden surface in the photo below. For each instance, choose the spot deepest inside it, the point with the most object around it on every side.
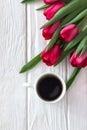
(71, 112)
(12, 56)
(20, 40)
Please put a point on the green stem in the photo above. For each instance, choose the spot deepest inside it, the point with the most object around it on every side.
(53, 39)
(72, 77)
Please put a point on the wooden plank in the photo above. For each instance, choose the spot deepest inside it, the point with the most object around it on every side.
(12, 57)
(42, 116)
(77, 98)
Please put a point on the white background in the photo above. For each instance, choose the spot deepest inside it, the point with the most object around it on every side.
(20, 40)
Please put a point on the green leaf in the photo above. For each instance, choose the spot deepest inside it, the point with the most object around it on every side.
(82, 23)
(81, 45)
(66, 10)
(54, 39)
(72, 77)
(27, 1)
(31, 64)
(71, 16)
(84, 49)
(79, 48)
(66, 1)
(78, 17)
(43, 7)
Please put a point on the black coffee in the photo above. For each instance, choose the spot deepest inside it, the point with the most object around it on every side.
(49, 87)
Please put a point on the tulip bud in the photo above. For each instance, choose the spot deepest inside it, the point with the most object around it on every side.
(78, 60)
(50, 11)
(68, 33)
(50, 1)
(51, 56)
(48, 31)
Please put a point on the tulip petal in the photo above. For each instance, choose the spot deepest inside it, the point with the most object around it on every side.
(51, 56)
(50, 1)
(48, 31)
(68, 33)
(79, 60)
(50, 11)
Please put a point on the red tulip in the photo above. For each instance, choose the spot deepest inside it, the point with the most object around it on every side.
(48, 31)
(68, 33)
(79, 60)
(51, 56)
(50, 11)
(50, 1)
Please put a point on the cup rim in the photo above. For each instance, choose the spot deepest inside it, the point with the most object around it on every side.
(62, 82)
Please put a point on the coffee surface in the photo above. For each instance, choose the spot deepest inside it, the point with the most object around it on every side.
(49, 87)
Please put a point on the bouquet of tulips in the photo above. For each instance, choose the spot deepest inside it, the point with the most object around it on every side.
(66, 30)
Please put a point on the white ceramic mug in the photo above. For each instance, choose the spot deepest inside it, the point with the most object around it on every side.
(39, 78)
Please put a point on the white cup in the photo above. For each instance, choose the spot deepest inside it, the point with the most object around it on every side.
(42, 76)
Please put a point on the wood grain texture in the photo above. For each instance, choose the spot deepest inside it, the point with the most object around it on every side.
(77, 106)
(43, 116)
(12, 57)
(70, 113)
